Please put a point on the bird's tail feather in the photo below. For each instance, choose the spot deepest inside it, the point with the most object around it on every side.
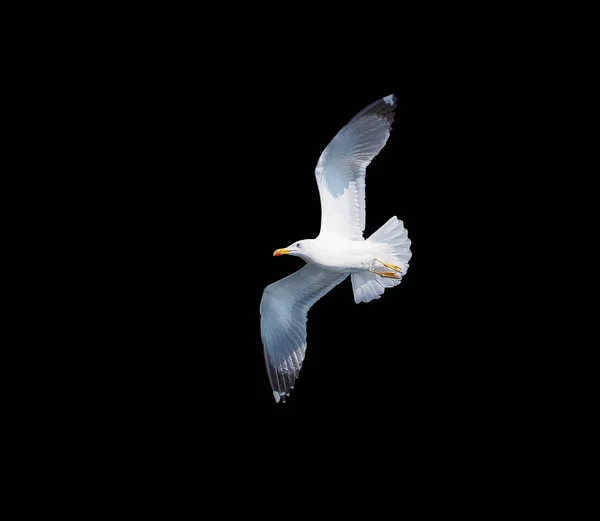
(369, 286)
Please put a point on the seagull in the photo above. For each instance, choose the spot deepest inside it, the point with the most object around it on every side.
(374, 264)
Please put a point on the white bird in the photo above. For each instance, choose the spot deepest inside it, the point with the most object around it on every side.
(374, 264)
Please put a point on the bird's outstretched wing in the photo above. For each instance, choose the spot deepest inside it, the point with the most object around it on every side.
(283, 311)
(340, 171)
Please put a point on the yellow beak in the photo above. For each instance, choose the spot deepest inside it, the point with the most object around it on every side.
(283, 251)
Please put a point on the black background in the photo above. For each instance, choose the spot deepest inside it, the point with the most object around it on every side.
(198, 164)
(198, 174)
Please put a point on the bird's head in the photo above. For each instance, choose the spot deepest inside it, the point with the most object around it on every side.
(298, 248)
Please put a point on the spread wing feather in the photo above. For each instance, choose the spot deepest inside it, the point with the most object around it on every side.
(283, 309)
(341, 169)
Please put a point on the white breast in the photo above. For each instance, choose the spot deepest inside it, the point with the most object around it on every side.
(335, 253)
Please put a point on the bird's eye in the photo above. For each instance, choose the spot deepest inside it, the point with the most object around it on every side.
(298, 245)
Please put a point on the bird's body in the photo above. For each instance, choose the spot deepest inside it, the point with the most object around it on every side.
(339, 251)
(333, 253)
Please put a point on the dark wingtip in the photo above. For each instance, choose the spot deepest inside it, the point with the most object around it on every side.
(280, 395)
(391, 100)
(390, 104)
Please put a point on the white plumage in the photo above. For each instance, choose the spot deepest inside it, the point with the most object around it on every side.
(374, 264)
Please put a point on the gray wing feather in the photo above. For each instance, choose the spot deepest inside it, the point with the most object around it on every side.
(341, 169)
(283, 309)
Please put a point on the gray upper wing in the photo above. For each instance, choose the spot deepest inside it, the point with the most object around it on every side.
(283, 309)
(341, 169)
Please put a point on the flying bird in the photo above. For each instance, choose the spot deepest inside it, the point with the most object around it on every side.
(374, 264)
